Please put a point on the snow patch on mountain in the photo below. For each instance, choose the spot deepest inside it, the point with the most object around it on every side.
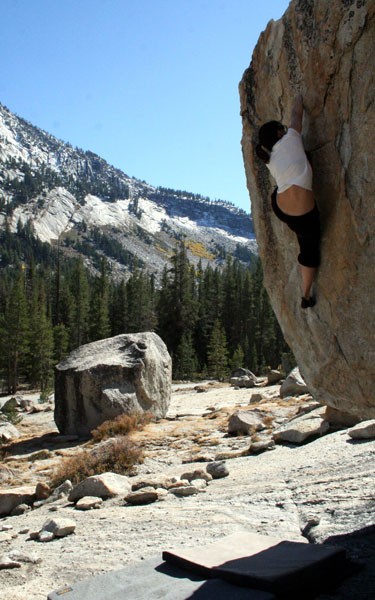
(63, 190)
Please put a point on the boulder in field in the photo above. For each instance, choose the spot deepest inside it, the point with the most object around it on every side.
(120, 375)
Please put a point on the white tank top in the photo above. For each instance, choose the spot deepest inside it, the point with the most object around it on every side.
(288, 163)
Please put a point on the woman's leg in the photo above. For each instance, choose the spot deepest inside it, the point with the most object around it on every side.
(308, 276)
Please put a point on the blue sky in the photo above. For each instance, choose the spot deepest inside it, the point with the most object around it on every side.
(149, 85)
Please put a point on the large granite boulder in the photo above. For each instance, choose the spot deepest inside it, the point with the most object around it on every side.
(321, 49)
(99, 381)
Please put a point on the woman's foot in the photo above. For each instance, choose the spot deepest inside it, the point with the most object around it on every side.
(308, 302)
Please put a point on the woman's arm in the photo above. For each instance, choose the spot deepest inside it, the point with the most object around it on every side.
(297, 114)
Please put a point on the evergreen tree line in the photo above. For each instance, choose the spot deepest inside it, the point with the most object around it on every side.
(212, 319)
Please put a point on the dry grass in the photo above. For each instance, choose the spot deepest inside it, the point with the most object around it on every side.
(268, 420)
(118, 456)
(120, 426)
(117, 453)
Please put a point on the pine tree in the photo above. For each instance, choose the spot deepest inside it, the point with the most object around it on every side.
(99, 308)
(185, 364)
(238, 358)
(119, 316)
(177, 301)
(217, 355)
(140, 302)
(60, 342)
(14, 333)
(40, 342)
(79, 320)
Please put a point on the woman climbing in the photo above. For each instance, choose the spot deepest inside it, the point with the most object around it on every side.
(293, 201)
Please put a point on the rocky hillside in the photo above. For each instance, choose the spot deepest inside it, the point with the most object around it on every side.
(320, 49)
(77, 199)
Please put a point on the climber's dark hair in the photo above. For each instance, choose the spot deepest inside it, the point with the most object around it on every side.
(268, 136)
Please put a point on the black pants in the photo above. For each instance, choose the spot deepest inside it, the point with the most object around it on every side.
(307, 229)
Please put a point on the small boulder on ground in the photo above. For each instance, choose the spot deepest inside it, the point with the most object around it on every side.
(12, 497)
(60, 527)
(363, 431)
(255, 398)
(298, 430)
(145, 495)
(8, 432)
(106, 485)
(217, 469)
(262, 446)
(185, 490)
(273, 376)
(244, 422)
(196, 474)
(89, 503)
(293, 385)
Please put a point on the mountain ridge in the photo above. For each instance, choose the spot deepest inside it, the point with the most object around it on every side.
(68, 194)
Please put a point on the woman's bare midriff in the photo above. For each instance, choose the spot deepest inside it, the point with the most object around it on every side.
(296, 201)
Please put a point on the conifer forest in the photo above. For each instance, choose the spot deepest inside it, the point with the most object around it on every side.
(212, 320)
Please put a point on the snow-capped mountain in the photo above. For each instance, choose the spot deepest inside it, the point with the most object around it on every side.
(78, 200)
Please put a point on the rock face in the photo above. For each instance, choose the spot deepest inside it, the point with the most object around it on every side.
(320, 49)
(99, 381)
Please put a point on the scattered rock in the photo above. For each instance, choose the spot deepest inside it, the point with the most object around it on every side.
(99, 381)
(363, 431)
(199, 484)
(262, 446)
(44, 536)
(196, 474)
(20, 510)
(8, 432)
(61, 492)
(42, 491)
(162, 493)
(6, 527)
(301, 428)
(8, 563)
(293, 385)
(25, 558)
(104, 486)
(89, 503)
(217, 469)
(162, 482)
(340, 418)
(184, 490)
(11, 498)
(145, 495)
(255, 398)
(24, 403)
(242, 382)
(59, 527)
(273, 377)
(177, 484)
(245, 421)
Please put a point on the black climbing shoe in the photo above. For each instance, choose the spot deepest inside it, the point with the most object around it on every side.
(308, 302)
